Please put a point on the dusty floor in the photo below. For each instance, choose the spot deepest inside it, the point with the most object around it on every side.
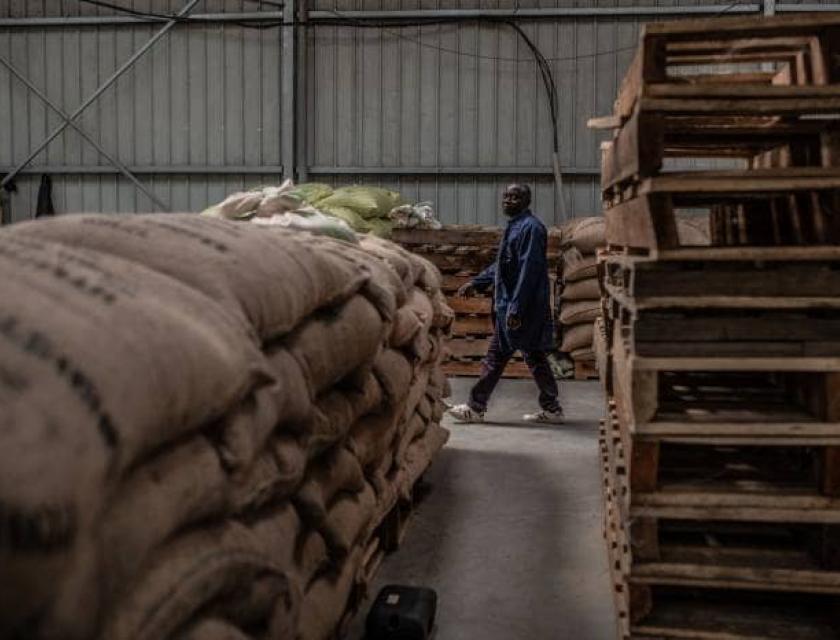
(510, 534)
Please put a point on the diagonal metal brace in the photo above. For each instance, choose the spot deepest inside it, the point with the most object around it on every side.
(114, 161)
(100, 90)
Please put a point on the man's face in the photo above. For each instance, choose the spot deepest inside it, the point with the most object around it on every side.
(513, 200)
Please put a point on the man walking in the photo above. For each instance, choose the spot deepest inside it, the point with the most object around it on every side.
(522, 311)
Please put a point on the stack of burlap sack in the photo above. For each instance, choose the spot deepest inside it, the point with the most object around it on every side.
(362, 209)
(580, 293)
(202, 422)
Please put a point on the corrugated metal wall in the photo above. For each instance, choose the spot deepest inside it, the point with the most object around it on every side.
(203, 96)
(465, 96)
(448, 113)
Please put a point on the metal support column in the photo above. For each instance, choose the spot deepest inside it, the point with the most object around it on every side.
(288, 100)
(99, 91)
(302, 33)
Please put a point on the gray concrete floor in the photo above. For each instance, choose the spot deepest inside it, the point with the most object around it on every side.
(510, 534)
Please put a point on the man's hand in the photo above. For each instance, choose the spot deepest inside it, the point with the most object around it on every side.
(513, 322)
(466, 290)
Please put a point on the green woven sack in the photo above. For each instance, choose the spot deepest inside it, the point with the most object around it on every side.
(356, 222)
(367, 202)
(312, 192)
(381, 227)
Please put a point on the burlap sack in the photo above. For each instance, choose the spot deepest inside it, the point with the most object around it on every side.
(336, 411)
(584, 353)
(394, 373)
(405, 327)
(326, 600)
(290, 455)
(576, 336)
(415, 427)
(53, 478)
(420, 307)
(419, 385)
(191, 572)
(279, 532)
(330, 346)
(430, 279)
(396, 257)
(383, 486)
(425, 406)
(264, 483)
(417, 458)
(577, 266)
(349, 521)
(180, 486)
(372, 436)
(580, 311)
(293, 396)
(212, 629)
(443, 314)
(273, 278)
(311, 557)
(121, 336)
(251, 604)
(241, 435)
(385, 288)
(337, 472)
(439, 381)
(586, 289)
(585, 234)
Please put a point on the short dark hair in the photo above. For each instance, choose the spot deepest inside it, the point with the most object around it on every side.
(524, 189)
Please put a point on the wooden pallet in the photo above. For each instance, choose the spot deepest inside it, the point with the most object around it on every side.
(462, 235)
(655, 560)
(756, 303)
(642, 144)
(786, 190)
(472, 367)
(780, 206)
(805, 45)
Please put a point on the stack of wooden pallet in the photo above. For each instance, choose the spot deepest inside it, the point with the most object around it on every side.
(721, 445)
(461, 252)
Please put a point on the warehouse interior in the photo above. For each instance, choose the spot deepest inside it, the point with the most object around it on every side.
(453, 319)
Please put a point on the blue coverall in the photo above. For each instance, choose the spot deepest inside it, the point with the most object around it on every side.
(519, 278)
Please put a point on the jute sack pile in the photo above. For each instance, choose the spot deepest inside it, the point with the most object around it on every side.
(204, 422)
(580, 297)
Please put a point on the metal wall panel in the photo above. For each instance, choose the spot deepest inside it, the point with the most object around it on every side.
(393, 106)
(204, 95)
(466, 95)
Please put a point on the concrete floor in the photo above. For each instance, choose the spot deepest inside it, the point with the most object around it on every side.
(510, 534)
